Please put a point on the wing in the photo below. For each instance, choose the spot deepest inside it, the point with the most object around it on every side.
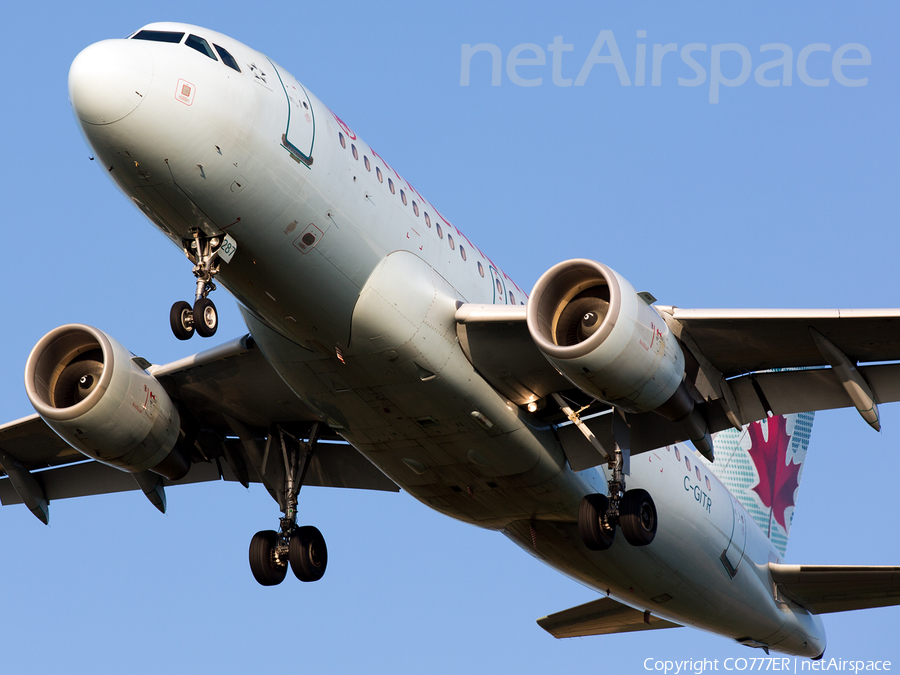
(735, 363)
(600, 617)
(232, 405)
(833, 588)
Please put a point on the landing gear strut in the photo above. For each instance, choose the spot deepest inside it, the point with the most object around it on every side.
(303, 548)
(201, 317)
(632, 510)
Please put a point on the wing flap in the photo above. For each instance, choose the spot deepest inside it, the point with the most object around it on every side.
(600, 617)
(93, 478)
(822, 589)
(803, 390)
(341, 465)
(334, 465)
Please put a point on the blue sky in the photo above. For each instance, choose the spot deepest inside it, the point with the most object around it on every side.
(773, 197)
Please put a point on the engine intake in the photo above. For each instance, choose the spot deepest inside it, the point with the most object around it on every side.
(608, 341)
(87, 388)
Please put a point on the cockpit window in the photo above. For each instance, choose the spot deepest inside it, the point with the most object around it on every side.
(227, 58)
(158, 36)
(201, 46)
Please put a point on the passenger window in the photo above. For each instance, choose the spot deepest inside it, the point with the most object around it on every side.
(200, 45)
(391, 185)
(228, 59)
(688, 462)
(450, 241)
(415, 208)
(462, 251)
(499, 289)
(353, 150)
(480, 268)
(439, 231)
(343, 142)
(697, 471)
(708, 486)
(366, 162)
(512, 298)
(427, 219)
(158, 36)
(378, 174)
(677, 454)
(403, 197)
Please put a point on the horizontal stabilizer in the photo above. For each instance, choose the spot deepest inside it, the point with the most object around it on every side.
(600, 617)
(837, 588)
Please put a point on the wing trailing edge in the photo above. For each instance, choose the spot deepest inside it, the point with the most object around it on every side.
(600, 617)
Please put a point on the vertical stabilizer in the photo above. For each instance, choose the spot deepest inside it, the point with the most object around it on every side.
(761, 466)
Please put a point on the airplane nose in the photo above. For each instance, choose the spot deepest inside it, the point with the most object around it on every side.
(109, 79)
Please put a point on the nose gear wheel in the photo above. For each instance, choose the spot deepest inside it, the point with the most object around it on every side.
(181, 319)
(202, 318)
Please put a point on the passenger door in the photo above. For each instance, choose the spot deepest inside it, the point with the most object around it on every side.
(300, 128)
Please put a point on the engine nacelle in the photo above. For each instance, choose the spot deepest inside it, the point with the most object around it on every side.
(87, 388)
(609, 342)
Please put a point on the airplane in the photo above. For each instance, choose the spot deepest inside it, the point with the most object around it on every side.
(558, 417)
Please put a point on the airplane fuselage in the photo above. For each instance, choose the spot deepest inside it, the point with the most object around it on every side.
(349, 281)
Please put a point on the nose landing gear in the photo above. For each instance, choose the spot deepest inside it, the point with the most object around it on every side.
(206, 253)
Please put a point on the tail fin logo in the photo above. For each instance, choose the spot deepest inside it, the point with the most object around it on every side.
(778, 477)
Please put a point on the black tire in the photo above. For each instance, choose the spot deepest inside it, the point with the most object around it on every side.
(181, 320)
(262, 559)
(594, 534)
(637, 517)
(308, 553)
(206, 318)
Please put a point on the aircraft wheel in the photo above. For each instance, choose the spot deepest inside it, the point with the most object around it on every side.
(206, 318)
(262, 559)
(594, 533)
(181, 319)
(637, 517)
(308, 553)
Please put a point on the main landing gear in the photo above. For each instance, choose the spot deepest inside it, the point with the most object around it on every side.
(201, 317)
(303, 548)
(632, 510)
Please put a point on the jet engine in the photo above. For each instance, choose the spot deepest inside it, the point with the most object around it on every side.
(607, 340)
(88, 389)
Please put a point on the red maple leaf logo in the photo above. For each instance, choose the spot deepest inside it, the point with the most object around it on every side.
(778, 479)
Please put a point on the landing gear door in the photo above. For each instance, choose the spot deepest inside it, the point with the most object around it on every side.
(733, 554)
(300, 128)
